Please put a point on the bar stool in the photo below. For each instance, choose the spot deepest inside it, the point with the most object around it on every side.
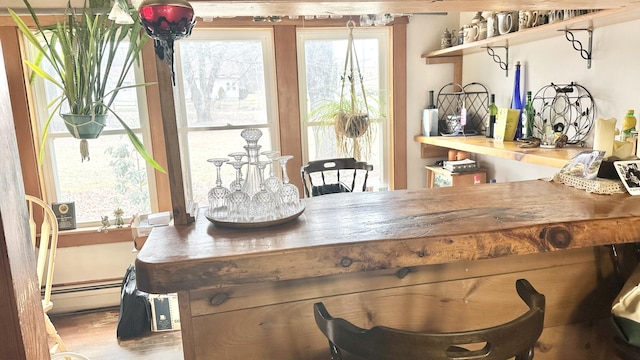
(516, 338)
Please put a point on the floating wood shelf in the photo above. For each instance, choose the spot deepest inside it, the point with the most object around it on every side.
(507, 150)
(591, 20)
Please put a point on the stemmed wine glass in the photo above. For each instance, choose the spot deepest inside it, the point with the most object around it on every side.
(237, 156)
(263, 206)
(237, 200)
(289, 195)
(218, 207)
(272, 183)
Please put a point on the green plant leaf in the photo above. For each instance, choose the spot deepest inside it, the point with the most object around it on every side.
(137, 144)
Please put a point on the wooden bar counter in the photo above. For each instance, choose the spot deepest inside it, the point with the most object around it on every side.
(426, 260)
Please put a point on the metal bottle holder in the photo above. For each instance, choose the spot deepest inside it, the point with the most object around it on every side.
(569, 107)
(452, 98)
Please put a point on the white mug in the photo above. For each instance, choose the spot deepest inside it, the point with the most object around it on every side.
(505, 23)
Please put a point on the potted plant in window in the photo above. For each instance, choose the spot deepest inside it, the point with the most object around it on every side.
(350, 116)
(82, 52)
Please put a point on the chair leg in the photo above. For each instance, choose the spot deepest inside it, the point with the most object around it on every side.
(53, 333)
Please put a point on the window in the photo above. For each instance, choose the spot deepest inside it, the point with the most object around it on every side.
(321, 61)
(115, 176)
(225, 83)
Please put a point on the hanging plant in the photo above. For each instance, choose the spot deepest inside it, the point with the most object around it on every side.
(82, 52)
(351, 115)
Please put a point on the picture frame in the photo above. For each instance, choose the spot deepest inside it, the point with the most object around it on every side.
(65, 214)
(585, 165)
(629, 172)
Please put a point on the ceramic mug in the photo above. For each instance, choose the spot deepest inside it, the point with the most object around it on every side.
(505, 23)
(556, 15)
(482, 30)
(542, 17)
(470, 34)
(492, 25)
(527, 19)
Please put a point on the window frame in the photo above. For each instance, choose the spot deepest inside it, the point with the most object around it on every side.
(383, 35)
(266, 37)
(50, 183)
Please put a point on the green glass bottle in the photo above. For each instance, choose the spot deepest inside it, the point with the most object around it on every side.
(493, 112)
(528, 118)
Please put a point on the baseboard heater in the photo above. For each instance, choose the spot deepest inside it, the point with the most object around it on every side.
(73, 298)
(68, 290)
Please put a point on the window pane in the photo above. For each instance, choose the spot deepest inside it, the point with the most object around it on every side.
(114, 177)
(225, 82)
(322, 56)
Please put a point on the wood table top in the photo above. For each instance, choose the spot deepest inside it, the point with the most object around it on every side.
(354, 232)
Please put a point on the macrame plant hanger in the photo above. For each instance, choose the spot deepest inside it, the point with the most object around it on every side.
(349, 61)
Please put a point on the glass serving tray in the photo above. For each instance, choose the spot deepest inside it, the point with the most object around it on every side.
(254, 224)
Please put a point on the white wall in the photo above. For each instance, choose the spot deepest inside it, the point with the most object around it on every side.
(611, 81)
(423, 35)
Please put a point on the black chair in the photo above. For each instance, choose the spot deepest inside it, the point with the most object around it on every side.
(334, 175)
(515, 338)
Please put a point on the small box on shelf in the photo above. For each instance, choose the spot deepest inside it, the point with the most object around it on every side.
(439, 177)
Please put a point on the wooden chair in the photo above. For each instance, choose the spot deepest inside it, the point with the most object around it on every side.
(45, 258)
(329, 176)
(515, 338)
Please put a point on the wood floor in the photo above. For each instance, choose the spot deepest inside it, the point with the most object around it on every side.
(93, 334)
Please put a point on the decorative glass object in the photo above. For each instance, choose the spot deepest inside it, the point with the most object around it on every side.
(251, 199)
(218, 194)
(289, 195)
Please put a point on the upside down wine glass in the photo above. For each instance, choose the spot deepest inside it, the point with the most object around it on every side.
(263, 206)
(289, 195)
(218, 195)
(237, 156)
(273, 183)
(238, 200)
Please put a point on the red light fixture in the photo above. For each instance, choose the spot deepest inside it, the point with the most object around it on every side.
(166, 21)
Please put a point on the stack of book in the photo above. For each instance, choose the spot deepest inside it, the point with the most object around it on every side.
(460, 165)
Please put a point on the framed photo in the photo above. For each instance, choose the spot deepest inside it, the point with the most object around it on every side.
(629, 172)
(66, 215)
(586, 164)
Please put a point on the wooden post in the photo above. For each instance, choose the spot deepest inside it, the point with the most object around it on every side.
(22, 332)
(172, 144)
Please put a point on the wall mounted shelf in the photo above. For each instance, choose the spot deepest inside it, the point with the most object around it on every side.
(586, 21)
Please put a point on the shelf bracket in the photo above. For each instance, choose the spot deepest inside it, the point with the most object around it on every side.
(577, 45)
(504, 65)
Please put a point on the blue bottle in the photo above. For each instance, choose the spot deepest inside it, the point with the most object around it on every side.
(516, 103)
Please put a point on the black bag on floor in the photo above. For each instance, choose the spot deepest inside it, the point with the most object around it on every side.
(135, 310)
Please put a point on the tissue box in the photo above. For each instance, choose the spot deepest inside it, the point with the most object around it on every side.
(165, 314)
(143, 224)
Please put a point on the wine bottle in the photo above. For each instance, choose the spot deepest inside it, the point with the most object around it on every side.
(493, 112)
(516, 102)
(528, 118)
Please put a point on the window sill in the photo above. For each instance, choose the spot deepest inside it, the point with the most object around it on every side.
(91, 236)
